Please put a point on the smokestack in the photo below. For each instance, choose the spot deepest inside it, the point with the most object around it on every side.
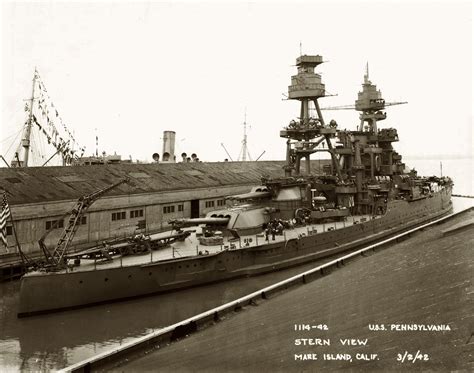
(168, 146)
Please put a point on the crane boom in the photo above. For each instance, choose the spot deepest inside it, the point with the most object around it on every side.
(396, 103)
(352, 107)
(83, 203)
(342, 107)
(227, 152)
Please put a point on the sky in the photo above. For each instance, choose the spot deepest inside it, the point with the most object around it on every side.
(127, 71)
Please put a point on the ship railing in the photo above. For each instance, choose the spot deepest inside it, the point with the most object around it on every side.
(312, 230)
(234, 243)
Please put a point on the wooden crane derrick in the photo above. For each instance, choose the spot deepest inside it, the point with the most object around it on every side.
(55, 259)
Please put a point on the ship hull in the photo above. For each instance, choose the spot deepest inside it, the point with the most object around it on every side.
(47, 292)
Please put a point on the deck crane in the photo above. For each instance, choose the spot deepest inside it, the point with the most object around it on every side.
(353, 107)
(56, 259)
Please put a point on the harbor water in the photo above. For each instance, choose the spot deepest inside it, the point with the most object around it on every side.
(54, 341)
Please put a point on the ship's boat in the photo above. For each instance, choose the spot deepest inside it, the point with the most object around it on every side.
(364, 195)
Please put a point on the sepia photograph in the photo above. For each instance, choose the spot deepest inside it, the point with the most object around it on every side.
(236, 186)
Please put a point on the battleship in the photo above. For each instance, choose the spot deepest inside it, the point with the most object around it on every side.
(364, 194)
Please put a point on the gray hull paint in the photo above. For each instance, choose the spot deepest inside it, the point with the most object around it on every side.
(48, 292)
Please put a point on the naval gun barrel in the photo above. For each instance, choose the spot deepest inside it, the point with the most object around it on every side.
(250, 195)
(196, 221)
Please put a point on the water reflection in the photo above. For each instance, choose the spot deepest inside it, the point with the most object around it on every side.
(54, 341)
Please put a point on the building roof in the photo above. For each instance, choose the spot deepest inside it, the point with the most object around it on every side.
(48, 184)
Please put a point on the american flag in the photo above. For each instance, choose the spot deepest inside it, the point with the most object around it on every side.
(4, 214)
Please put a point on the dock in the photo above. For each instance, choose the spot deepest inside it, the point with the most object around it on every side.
(468, 223)
(423, 284)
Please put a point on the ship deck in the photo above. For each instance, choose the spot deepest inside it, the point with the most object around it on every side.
(190, 246)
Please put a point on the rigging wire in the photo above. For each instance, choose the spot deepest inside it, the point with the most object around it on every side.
(35, 150)
(32, 149)
(15, 141)
(13, 134)
(12, 114)
(46, 123)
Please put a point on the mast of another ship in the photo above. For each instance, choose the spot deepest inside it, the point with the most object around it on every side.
(244, 151)
(25, 141)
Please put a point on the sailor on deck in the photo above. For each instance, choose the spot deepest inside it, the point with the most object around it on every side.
(105, 251)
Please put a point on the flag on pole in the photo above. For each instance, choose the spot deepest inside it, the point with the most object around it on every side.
(4, 214)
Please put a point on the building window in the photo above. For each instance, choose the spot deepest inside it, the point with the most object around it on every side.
(181, 207)
(9, 230)
(53, 224)
(136, 214)
(168, 209)
(209, 204)
(82, 220)
(119, 215)
(221, 202)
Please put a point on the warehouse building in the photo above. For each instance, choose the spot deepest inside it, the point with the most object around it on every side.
(41, 198)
